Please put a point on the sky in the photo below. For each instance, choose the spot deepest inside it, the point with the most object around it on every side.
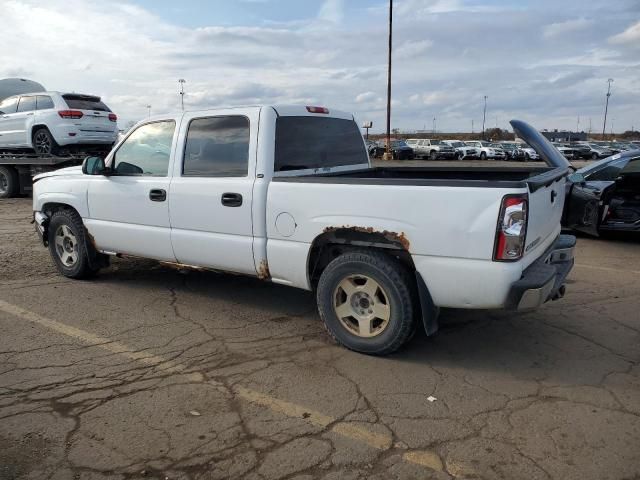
(543, 61)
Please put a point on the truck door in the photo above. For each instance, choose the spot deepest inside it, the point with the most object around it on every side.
(129, 209)
(211, 195)
(583, 205)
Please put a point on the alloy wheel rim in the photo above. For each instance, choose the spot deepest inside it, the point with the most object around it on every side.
(66, 246)
(43, 144)
(362, 306)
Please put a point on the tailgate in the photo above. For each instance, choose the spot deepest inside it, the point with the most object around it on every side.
(545, 213)
(546, 192)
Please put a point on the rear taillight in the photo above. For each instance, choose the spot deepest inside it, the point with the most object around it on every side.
(317, 110)
(512, 229)
(70, 113)
(113, 117)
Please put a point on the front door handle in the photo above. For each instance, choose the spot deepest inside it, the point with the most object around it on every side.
(231, 199)
(158, 195)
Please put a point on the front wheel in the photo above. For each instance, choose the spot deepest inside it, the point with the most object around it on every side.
(67, 245)
(433, 155)
(483, 156)
(594, 156)
(366, 301)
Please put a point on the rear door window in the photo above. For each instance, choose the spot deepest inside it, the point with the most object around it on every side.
(27, 104)
(43, 102)
(217, 147)
(85, 102)
(304, 143)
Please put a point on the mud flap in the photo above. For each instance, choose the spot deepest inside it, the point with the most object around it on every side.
(429, 311)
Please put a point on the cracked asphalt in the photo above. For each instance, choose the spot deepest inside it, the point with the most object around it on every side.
(151, 372)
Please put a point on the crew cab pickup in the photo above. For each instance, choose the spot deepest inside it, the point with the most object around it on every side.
(287, 194)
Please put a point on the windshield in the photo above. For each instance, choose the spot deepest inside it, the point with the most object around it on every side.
(456, 144)
(304, 143)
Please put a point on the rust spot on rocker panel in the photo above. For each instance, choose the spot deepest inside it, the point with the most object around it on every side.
(394, 237)
(263, 270)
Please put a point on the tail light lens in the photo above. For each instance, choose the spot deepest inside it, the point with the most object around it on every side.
(512, 229)
(70, 114)
(317, 110)
(113, 117)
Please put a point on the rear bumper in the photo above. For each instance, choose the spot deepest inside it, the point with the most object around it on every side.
(70, 134)
(544, 279)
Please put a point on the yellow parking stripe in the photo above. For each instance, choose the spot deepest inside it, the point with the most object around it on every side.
(347, 430)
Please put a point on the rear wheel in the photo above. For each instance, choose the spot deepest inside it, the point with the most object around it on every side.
(433, 155)
(366, 301)
(594, 156)
(9, 185)
(43, 142)
(68, 247)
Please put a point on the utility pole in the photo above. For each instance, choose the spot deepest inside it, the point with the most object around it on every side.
(484, 115)
(388, 149)
(471, 125)
(434, 126)
(149, 108)
(606, 107)
(182, 81)
(589, 126)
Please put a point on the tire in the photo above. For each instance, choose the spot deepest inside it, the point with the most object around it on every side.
(43, 142)
(527, 157)
(483, 156)
(594, 156)
(433, 155)
(68, 246)
(392, 286)
(460, 156)
(9, 182)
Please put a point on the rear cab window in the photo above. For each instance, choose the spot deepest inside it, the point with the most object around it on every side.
(84, 102)
(313, 143)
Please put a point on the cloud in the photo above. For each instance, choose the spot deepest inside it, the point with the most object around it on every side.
(448, 54)
(630, 36)
(566, 27)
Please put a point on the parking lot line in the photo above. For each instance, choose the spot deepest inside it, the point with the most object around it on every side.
(353, 432)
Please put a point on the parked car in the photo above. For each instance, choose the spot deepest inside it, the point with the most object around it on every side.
(568, 151)
(399, 150)
(371, 147)
(529, 153)
(605, 195)
(487, 151)
(47, 121)
(433, 149)
(462, 150)
(512, 151)
(299, 204)
(596, 151)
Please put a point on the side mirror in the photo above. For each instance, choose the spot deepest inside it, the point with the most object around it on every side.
(576, 178)
(93, 166)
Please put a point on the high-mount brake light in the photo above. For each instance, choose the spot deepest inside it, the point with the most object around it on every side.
(512, 229)
(318, 110)
(70, 114)
(113, 117)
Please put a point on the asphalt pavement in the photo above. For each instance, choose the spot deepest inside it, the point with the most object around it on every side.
(151, 372)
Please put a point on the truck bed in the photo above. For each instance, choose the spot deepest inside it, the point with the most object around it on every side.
(533, 176)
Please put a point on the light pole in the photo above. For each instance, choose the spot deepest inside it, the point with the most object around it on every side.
(182, 81)
(484, 115)
(387, 153)
(606, 107)
(434, 126)
(471, 125)
(149, 108)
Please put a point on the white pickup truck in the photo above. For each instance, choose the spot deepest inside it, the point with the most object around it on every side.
(287, 194)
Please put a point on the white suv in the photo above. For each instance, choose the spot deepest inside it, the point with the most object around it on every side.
(46, 121)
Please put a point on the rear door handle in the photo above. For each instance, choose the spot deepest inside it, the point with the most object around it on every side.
(158, 195)
(231, 199)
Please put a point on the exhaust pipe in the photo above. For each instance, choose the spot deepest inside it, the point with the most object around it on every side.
(560, 293)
